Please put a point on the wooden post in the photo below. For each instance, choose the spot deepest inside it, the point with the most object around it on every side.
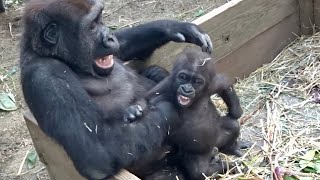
(57, 162)
(306, 16)
(316, 12)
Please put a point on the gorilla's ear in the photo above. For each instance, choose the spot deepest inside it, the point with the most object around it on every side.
(50, 33)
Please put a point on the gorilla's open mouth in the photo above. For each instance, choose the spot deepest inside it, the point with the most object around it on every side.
(105, 62)
(183, 100)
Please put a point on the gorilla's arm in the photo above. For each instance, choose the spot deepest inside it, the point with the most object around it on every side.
(65, 112)
(161, 92)
(222, 85)
(140, 42)
(2, 9)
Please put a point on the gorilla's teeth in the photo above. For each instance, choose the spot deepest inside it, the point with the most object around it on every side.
(183, 100)
(105, 62)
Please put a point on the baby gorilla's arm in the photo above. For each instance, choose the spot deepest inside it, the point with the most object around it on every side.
(156, 94)
(221, 85)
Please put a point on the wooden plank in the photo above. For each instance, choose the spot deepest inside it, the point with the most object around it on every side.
(316, 13)
(57, 162)
(260, 50)
(232, 25)
(306, 16)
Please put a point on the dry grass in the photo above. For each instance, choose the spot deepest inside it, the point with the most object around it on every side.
(282, 113)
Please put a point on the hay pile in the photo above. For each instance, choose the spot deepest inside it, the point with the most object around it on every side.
(281, 101)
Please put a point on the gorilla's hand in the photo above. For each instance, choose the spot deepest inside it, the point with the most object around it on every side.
(132, 113)
(135, 111)
(191, 33)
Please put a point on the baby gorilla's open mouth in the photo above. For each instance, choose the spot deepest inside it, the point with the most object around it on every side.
(105, 62)
(183, 100)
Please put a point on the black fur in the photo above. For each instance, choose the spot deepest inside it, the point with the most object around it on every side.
(189, 87)
(155, 73)
(2, 9)
(79, 102)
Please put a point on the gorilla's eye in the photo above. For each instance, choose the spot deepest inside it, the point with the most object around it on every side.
(96, 22)
(198, 81)
(93, 25)
(183, 76)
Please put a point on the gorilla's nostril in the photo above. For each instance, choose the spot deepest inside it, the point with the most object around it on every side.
(187, 88)
(110, 39)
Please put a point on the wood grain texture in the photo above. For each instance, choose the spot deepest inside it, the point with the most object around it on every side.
(57, 162)
(316, 14)
(260, 50)
(232, 25)
(306, 16)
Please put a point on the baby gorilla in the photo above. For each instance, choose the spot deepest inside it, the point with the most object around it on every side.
(189, 87)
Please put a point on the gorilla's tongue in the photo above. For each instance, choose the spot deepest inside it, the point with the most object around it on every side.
(183, 100)
(105, 62)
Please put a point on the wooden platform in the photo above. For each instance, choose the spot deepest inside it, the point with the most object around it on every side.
(57, 162)
(246, 34)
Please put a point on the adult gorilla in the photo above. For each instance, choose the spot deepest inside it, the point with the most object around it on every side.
(77, 90)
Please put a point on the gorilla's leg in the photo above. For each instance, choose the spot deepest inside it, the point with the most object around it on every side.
(230, 131)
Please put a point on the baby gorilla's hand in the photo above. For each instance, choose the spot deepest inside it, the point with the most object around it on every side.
(132, 113)
(135, 111)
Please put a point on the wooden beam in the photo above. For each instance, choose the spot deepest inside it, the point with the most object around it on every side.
(306, 16)
(57, 162)
(261, 49)
(316, 13)
(232, 25)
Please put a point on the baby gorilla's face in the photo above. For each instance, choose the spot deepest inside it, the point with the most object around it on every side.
(188, 86)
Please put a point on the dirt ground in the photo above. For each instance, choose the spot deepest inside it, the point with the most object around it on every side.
(15, 141)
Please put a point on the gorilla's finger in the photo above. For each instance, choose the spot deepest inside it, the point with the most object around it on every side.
(126, 119)
(132, 116)
(209, 42)
(244, 144)
(238, 153)
(138, 112)
(206, 46)
(203, 40)
(139, 108)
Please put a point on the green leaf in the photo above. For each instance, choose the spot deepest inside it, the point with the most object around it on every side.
(199, 13)
(7, 102)
(32, 159)
(12, 71)
(286, 177)
(309, 170)
(309, 156)
(317, 167)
